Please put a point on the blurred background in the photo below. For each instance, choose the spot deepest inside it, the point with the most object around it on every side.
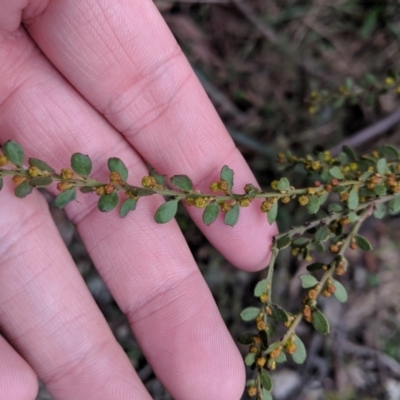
(278, 73)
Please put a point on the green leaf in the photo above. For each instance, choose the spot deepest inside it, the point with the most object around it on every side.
(348, 83)
(336, 172)
(320, 247)
(334, 207)
(380, 189)
(182, 182)
(283, 184)
(87, 189)
(313, 204)
(283, 242)
(128, 205)
(81, 164)
(320, 322)
(142, 192)
(41, 181)
(340, 292)
(246, 338)
(210, 213)
(250, 382)
(300, 354)
(232, 216)
(65, 197)
(23, 190)
(117, 165)
(364, 176)
(350, 153)
(339, 189)
(261, 287)
(343, 158)
(394, 204)
(362, 243)
(272, 213)
(227, 176)
(272, 347)
(107, 202)
(41, 165)
(380, 210)
(266, 395)
(352, 216)
(1, 183)
(308, 281)
(353, 199)
(339, 102)
(160, 179)
(278, 313)
(281, 358)
(390, 151)
(300, 242)
(166, 212)
(266, 380)
(315, 266)
(381, 166)
(250, 359)
(14, 152)
(322, 199)
(250, 313)
(322, 234)
(370, 80)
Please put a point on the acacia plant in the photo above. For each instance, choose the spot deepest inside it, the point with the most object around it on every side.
(350, 188)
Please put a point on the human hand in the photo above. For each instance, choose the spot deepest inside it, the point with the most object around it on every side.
(112, 81)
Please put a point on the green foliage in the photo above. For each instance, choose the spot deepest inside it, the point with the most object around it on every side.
(351, 189)
(81, 164)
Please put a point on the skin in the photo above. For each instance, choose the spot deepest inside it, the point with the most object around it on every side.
(106, 78)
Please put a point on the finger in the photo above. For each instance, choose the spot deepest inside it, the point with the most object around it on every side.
(17, 379)
(148, 268)
(48, 314)
(124, 60)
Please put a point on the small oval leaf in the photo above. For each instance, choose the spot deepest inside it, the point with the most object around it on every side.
(272, 213)
(340, 292)
(300, 354)
(107, 202)
(182, 182)
(65, 197)
(353, 199)
(210, 213)
(232, 216)
(23, 190)
(308, 281)
(116, 165)
(81, 164)
(227, 176)
(250, 359)
(363, 243)
(14, 152)
(41, 181)
(41, 165)
(313, 204)
(246, 338)
(320, 322)
(266, 380)
(336, 172)
(250, 313)
(283, 242)
(261, 287)
(166, 212)
(283, 184)
(128, 205)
